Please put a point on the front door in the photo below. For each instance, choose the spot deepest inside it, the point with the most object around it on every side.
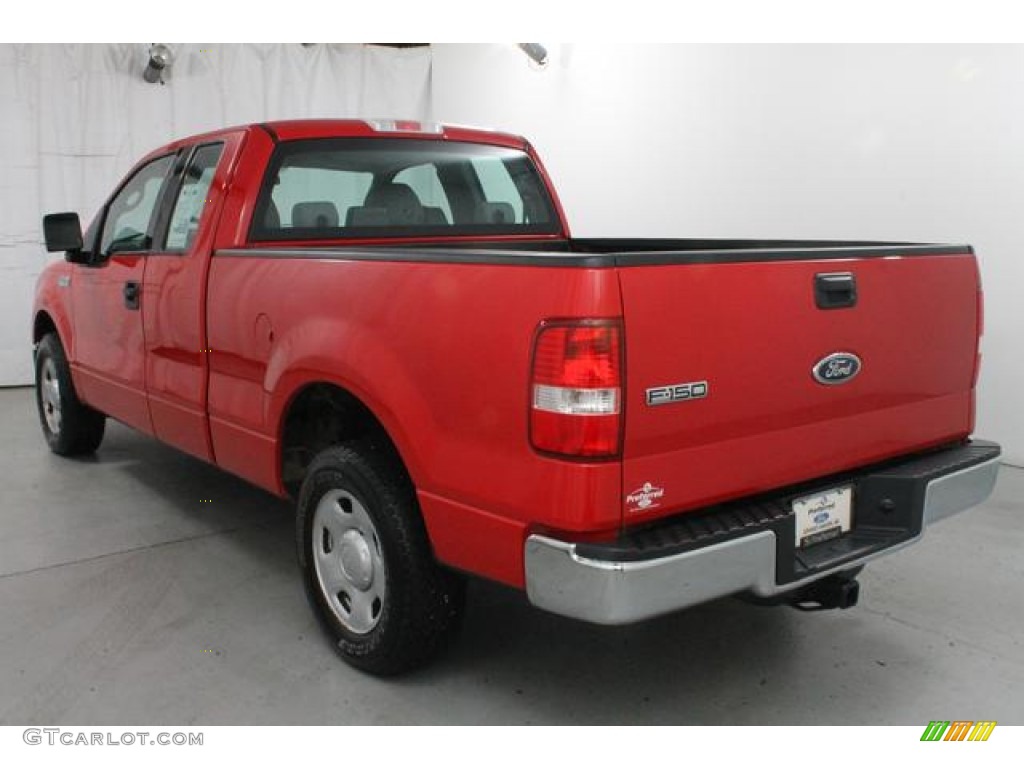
(109, 350)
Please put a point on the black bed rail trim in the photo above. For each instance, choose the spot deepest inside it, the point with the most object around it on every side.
(508, 256)
(428, 255)
(655, 258)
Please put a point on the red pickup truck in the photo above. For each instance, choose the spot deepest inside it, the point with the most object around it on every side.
(389, 323)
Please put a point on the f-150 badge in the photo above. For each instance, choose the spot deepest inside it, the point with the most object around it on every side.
(677, 393)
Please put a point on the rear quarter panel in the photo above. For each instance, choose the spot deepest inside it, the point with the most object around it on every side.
(440, 353)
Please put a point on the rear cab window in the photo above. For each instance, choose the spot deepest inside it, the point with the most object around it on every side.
(354, 188)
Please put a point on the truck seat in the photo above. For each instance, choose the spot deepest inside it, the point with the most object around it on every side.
(401, 203)
(494, 213)
(319, 214)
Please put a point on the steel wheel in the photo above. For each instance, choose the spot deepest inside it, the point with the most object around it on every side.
(50, 394)
(367, 564)
(348, 561)
(69, 425)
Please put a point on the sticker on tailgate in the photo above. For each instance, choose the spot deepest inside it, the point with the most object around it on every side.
(645, 497)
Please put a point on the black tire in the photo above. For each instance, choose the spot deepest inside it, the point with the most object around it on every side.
(391, 607)
(71, 428)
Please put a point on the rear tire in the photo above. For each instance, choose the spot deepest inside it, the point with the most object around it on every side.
(71, 428)
(370, 576)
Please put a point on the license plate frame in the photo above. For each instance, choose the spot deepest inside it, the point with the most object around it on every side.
(822, 516)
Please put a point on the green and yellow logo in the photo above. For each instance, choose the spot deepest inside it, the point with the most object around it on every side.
(958, 730)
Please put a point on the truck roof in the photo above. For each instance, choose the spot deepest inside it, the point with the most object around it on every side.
(290, 130)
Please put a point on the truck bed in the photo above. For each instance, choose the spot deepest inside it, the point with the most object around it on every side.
(740, 317)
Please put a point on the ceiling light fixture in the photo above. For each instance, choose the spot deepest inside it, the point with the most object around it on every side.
(538, 53)
(159, 60)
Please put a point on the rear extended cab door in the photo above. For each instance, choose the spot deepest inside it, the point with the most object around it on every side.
(174, 294)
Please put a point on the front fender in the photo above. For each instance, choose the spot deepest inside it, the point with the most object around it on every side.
(53, 299)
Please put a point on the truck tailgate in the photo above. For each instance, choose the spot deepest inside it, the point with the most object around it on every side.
(753, 331)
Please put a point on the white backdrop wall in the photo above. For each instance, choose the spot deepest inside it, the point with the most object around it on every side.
(870, 142)
(75, 118)
(921, 143)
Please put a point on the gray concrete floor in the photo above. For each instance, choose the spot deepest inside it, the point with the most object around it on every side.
(125, 599)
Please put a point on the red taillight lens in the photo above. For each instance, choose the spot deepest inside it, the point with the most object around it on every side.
(981, 332)
(576, 388)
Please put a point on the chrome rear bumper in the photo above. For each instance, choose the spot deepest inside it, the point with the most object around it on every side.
(619, 591)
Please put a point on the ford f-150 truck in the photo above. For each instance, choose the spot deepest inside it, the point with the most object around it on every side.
(389, 323)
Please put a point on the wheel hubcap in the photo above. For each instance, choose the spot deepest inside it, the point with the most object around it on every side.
(348, 561)
(356, 563)
(49, 392)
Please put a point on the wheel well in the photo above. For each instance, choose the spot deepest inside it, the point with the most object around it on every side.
(43, 325)
(320, 416)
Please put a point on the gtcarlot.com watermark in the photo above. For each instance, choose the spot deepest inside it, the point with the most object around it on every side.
(60, 736)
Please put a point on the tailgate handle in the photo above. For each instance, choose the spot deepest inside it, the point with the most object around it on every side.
(835, 290)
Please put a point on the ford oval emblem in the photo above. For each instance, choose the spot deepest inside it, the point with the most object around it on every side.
(837, 368)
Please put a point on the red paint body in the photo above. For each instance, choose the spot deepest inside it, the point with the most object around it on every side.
(441, 354)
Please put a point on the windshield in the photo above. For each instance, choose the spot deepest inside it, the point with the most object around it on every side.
(357, 187)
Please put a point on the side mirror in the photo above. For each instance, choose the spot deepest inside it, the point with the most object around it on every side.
(63, 232)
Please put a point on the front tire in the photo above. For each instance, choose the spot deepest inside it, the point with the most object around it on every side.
(386, 604)
(71, 428)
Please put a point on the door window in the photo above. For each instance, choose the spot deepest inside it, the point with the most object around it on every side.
(192, 198)
(129, 219)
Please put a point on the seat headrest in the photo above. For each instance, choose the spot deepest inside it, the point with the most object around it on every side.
(317, 214)
(434, 216)
(494, 213)
(401, 203)
(364, 216)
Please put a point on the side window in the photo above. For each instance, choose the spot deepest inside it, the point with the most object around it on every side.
(502, 202)
(188, 208)
(315, 198)
(130, 214)
(423, 180)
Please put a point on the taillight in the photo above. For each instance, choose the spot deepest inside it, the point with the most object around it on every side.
(981, 333)
(576, 388)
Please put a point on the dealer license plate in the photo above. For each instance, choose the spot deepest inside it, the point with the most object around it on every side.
(823, 515)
